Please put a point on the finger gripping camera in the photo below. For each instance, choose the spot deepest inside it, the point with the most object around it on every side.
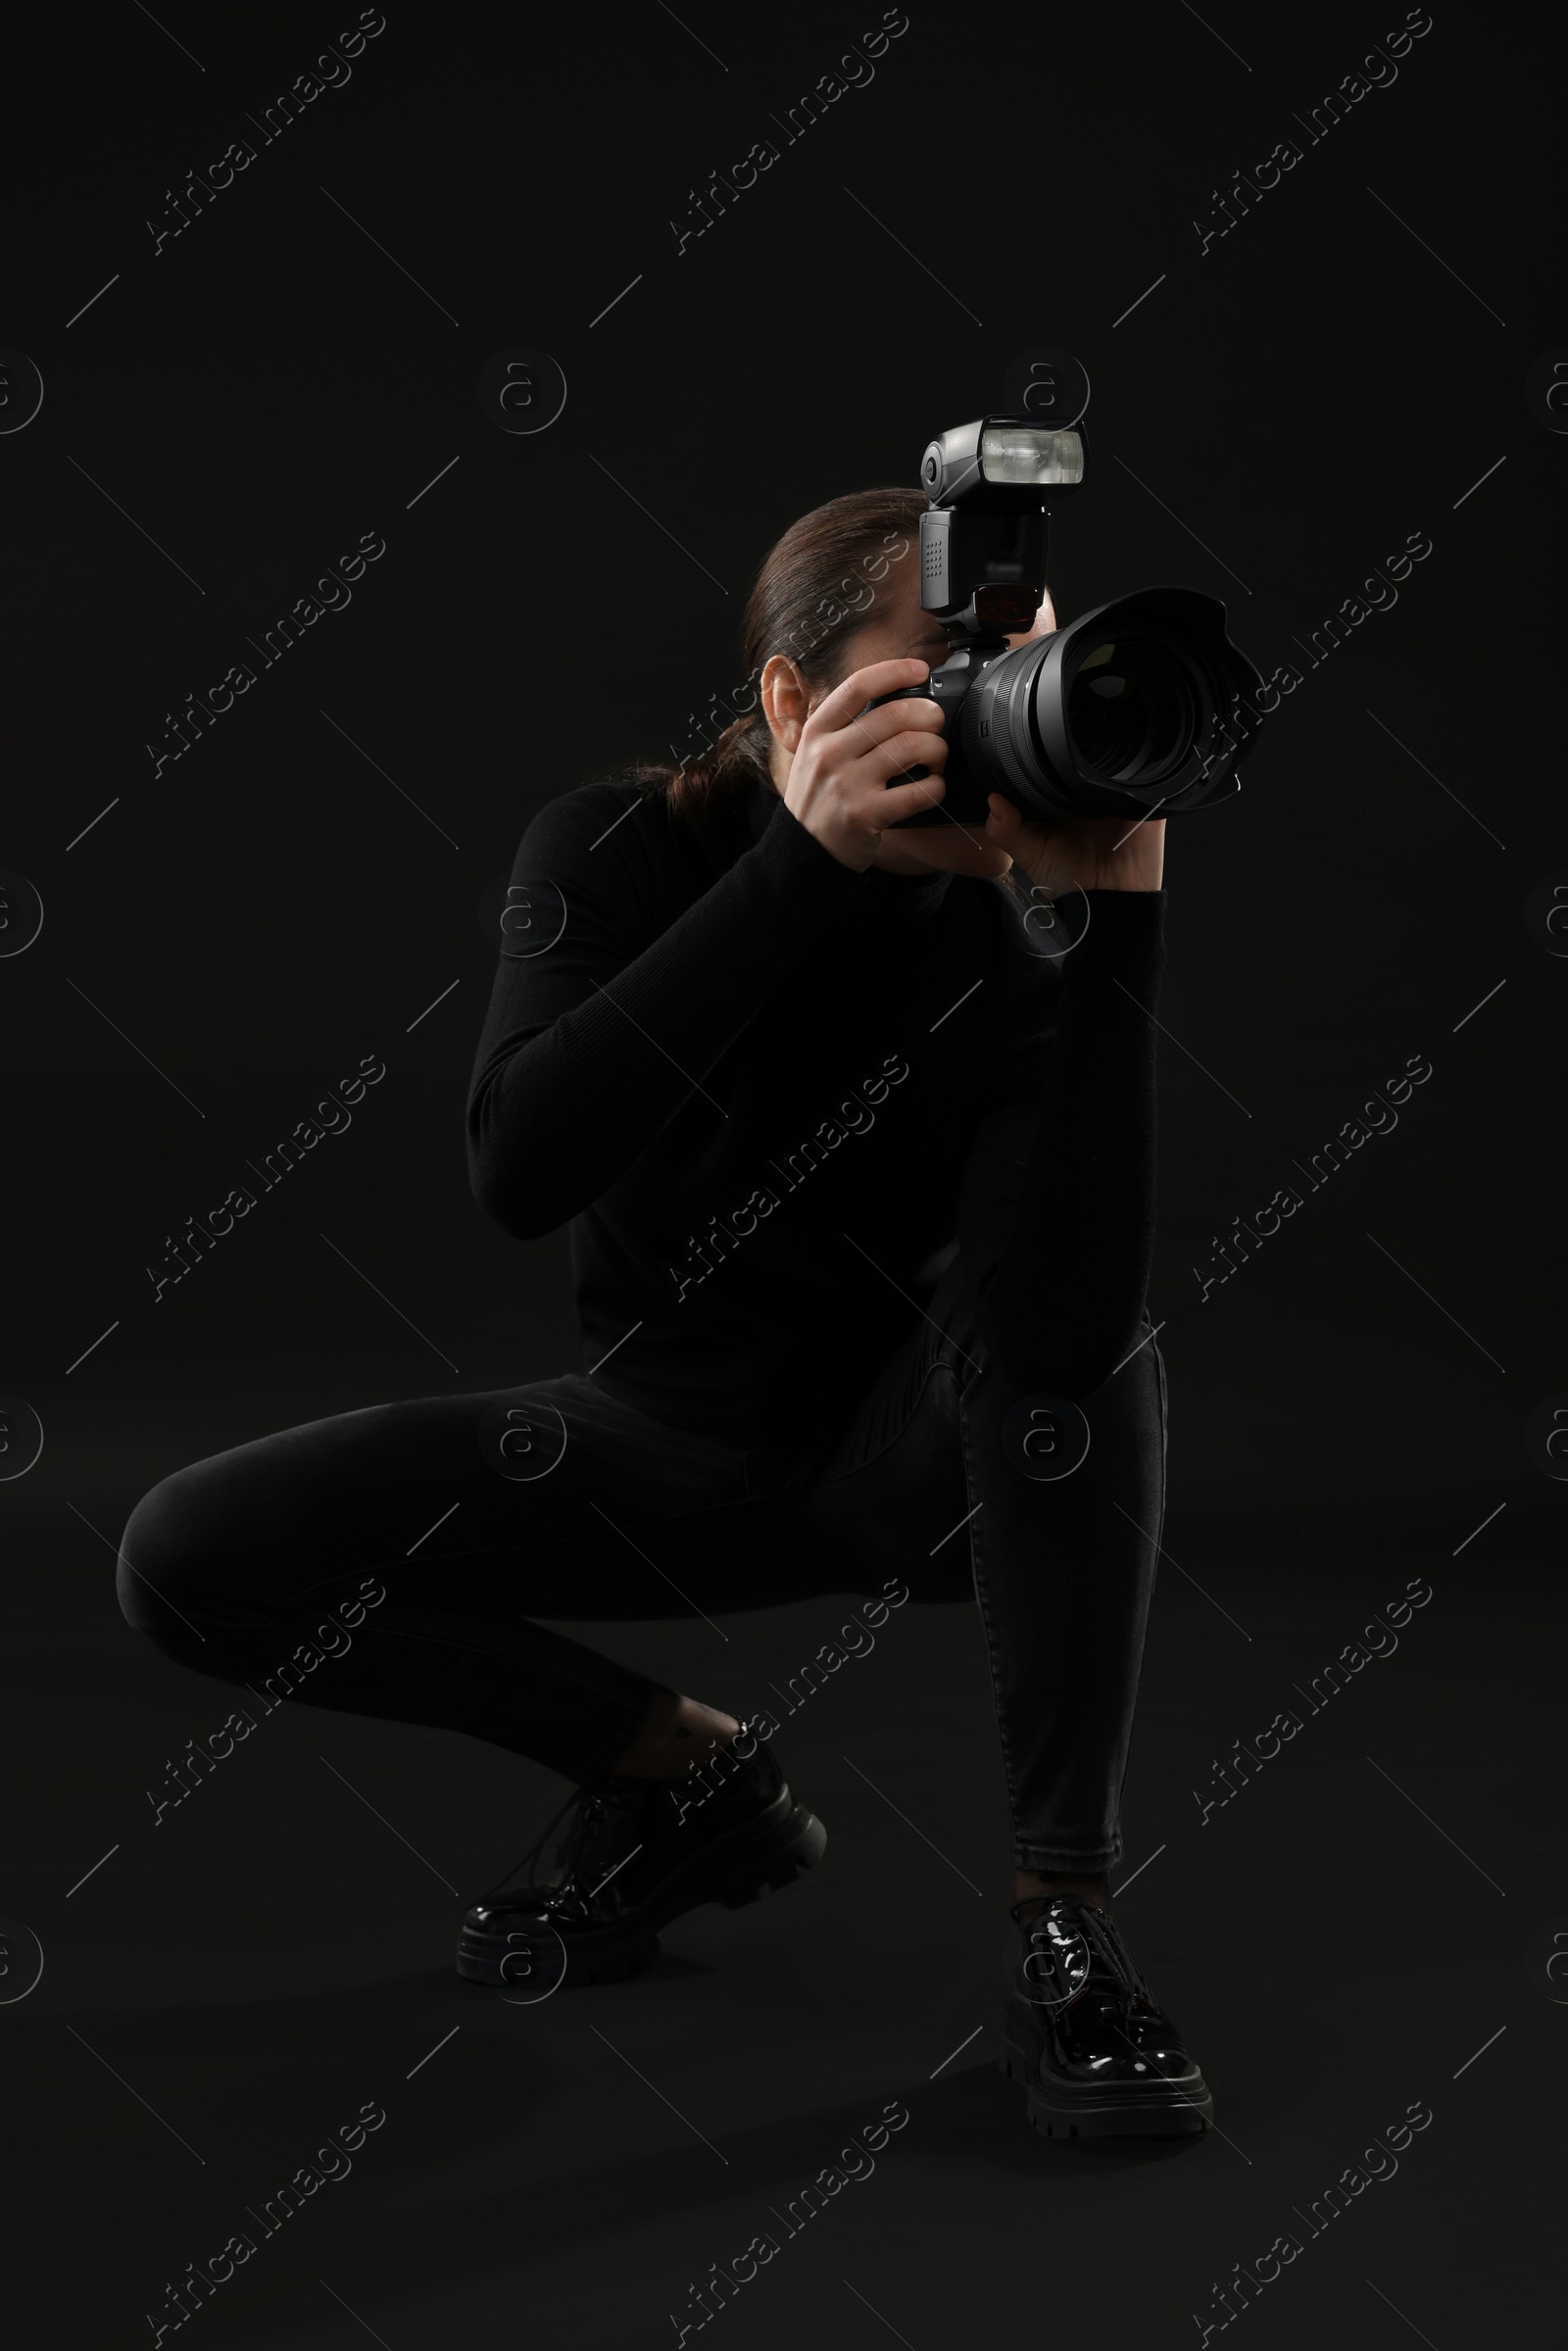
(1140, 707)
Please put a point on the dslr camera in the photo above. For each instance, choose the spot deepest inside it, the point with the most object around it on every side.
(1142, 706)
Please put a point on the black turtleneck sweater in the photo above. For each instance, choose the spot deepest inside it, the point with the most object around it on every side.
(767, 1088)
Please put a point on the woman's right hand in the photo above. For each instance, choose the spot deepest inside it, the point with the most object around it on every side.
(838, 784)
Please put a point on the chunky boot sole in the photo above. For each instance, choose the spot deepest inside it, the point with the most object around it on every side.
(1063, 2110)
(761, 1855)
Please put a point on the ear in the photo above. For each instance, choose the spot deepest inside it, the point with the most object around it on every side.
(786, 701)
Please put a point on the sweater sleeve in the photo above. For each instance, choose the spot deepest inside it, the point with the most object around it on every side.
(1056, 1208)
(591, 1047)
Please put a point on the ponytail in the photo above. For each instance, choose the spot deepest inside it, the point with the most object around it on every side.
(739, 758)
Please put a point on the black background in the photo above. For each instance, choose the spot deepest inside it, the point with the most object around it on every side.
(224, 421)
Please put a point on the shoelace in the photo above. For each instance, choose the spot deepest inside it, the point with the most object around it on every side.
(1110, 1958)
(1129, 1983)
(1110, 1965)
(592, 1804)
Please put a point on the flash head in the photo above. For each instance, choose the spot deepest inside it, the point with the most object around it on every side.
(1000, 453)
(991, 485)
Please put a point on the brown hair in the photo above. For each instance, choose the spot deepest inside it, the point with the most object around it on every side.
(816, 587)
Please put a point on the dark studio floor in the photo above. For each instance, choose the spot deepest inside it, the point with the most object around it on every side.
(232, 1987)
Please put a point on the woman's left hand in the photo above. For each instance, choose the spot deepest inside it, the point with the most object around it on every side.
(1093, 853)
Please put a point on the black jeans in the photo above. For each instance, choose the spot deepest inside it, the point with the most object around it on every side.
(232, 1566)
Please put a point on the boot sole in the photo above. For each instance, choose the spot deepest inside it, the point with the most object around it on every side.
(762, 1856)
(1058, 2111)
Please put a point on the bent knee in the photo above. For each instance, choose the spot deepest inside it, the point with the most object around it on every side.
(166, 1580)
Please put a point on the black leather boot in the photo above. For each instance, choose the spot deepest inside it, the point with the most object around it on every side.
(634, 1854)
(1083, 2032)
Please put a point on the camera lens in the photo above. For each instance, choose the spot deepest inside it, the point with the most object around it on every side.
(1129, 715)
(1142, 703)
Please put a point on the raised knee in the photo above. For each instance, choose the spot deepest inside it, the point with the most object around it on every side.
(163, 1554)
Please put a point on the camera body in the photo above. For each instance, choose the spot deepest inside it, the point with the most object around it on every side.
(1142, 706)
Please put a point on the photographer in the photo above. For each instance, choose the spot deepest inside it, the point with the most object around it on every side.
(810, 1343)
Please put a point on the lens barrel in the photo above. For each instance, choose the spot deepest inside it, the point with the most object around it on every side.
(1142, 703)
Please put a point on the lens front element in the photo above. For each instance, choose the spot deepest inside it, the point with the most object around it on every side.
(1129, 715)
